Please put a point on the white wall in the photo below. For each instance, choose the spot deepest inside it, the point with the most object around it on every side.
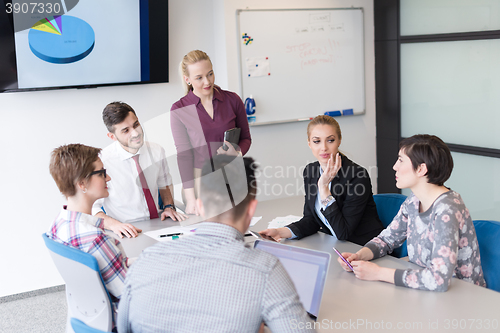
(37, 122)
(34, 123)
(282, 149)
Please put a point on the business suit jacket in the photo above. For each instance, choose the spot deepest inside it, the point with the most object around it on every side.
(353, 216)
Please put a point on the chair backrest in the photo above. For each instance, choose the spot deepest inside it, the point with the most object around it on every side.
(80, 327)
(388, 205)
(87, 297)
(488, 237)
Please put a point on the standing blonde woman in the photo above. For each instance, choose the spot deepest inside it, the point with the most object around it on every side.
(199, 120)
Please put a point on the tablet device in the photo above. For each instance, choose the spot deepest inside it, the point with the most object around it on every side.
(307, 269)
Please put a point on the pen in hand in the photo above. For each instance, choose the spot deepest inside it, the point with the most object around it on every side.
(169, 235)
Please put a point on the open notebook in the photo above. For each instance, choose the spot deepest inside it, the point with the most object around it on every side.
(307, 268)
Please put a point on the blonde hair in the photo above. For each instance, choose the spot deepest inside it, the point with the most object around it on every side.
(324, 120)
(191, 58)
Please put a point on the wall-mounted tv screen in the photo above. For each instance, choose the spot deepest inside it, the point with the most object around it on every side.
(58, 44)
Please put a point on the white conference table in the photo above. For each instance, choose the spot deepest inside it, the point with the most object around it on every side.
(350, 304)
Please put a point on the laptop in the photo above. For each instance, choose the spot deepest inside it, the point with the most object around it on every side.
(307, 268)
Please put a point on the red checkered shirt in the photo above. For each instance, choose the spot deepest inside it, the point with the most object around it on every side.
(86, 233)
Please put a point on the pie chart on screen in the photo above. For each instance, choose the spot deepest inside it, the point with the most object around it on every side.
(61, 39)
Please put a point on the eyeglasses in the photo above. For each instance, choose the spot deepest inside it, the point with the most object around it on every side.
(101, 172)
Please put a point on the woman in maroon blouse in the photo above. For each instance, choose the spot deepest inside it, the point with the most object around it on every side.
(199, 120)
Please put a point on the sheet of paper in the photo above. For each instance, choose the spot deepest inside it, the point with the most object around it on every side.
(258, 66)
(185, 231)
(280, 222)
(255, 219)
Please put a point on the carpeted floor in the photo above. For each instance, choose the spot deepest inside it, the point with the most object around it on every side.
(41, 311)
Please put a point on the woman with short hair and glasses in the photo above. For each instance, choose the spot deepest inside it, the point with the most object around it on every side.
(79, 174)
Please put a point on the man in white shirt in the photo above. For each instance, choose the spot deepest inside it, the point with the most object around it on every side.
(138, 171)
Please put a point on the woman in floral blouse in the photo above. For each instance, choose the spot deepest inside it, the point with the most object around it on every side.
(433, 219)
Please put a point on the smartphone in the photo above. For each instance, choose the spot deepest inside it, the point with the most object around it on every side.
(262, 237)
(344, 259)
(232, 136)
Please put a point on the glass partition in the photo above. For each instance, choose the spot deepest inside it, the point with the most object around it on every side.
(477, 180)
(423, 17)
(452, 90)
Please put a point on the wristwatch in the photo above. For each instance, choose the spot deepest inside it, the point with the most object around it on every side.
(169, 206)
(327, 200)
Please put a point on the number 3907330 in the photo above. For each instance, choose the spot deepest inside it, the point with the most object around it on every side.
(466, 324)
(33, 8)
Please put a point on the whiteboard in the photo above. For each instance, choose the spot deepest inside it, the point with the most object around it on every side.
(298, 64)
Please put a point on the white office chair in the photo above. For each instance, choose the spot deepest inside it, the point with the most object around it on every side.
(87, 297)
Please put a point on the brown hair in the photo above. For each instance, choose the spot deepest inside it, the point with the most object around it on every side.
(114, 113)
(431, 150)
(324, 120)
(191, 58)
(70, 164)
(228, 192)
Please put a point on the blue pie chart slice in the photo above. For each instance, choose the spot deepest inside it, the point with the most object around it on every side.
(75, 42)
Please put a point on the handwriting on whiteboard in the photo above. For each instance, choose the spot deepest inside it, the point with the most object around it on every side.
(319, 18)
(322, 28)
(311, 54)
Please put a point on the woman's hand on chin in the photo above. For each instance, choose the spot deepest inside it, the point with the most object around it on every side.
(329, 172)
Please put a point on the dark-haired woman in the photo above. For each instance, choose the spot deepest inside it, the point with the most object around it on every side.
(433, 219)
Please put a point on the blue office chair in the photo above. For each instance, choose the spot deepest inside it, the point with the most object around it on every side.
(488, 237)
(87, 297)
(80, 327)
(388, 205)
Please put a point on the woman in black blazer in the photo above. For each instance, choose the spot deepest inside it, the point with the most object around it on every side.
(335, 187)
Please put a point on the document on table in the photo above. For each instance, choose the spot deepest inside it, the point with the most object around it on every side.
(255, 219)
(185, 231)
(280, 222)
